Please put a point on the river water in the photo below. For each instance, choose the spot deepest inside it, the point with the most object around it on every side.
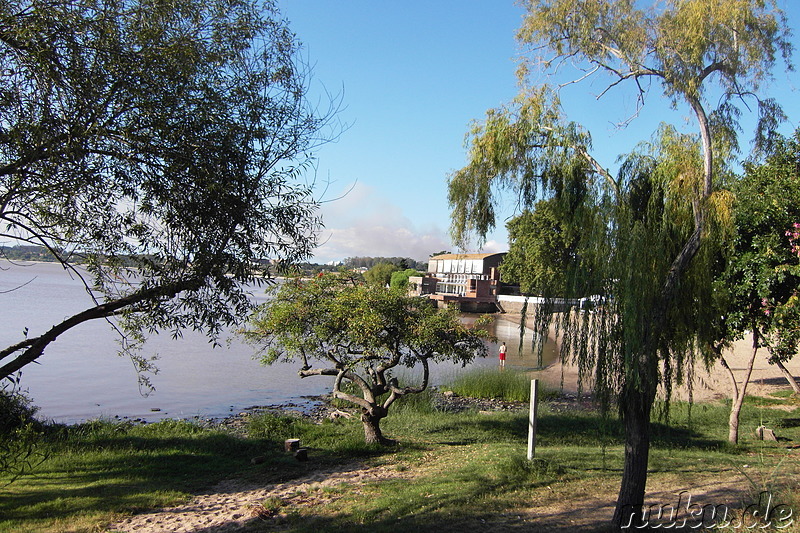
(81, 377)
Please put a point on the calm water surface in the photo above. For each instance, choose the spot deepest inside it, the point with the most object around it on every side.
(81, 377)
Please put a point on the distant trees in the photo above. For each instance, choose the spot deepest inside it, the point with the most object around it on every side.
(160, 144)
(26, 253)
(369, 262)
(361, 334)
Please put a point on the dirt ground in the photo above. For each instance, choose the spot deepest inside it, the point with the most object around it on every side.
(234, 505)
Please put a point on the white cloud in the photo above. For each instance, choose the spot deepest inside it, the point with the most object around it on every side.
(494, 247)
(364, 223)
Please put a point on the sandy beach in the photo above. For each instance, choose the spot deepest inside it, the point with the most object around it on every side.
(708, 384)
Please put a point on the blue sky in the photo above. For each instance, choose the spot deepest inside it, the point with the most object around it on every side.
(411, 77)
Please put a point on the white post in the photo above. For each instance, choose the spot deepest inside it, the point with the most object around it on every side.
(532, 418)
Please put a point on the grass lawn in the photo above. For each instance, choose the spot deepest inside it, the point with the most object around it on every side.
(454, 472)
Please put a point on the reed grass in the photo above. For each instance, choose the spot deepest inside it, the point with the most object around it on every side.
(506, 384)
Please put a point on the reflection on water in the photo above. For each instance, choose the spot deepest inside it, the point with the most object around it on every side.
(521, 353)
(81, 377)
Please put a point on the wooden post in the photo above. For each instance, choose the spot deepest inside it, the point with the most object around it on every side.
(532, 418)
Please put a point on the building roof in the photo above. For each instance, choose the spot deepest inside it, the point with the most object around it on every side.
(464, 256)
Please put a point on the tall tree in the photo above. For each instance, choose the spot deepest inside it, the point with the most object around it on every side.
(658, 214)
(361, 334)
(162, 144)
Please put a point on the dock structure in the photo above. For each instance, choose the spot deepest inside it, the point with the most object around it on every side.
(469, 280)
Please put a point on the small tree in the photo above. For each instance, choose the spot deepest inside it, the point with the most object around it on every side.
(381, 274)
(361, 334)
(541, 251)
(399, 279)
(758, 289)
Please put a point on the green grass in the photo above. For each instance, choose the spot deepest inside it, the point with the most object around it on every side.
(100, 470)
(469, 469)
(506, 384)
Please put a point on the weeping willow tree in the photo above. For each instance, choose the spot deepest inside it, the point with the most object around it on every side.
(647, 230)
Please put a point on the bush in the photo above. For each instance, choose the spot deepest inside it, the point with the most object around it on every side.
(16, 409)
(21, 447)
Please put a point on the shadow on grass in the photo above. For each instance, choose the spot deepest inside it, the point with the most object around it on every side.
(118, 469)
(122, 469)
(560, 429)
(444, 523)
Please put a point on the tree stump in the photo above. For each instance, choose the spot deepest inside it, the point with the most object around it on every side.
(764, 433)
(301, 454)
(291, 445)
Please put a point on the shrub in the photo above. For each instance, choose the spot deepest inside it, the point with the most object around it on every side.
(16, 409)
(21, 448)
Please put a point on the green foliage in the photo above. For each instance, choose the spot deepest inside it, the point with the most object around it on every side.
(160, 144)
(339, 321)
(541, 251)
(381, 274)
(689, 48)
(399, 280)
(640, 230)
(21, 447)
(648, 232)
(361, 334)
(759, 287)
(15, 407)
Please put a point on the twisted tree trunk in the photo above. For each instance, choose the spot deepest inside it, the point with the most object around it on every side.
(371, 419)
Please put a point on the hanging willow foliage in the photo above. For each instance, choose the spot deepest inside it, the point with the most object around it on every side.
(647, 247)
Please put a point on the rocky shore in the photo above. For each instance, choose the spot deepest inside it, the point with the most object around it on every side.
(320, 408)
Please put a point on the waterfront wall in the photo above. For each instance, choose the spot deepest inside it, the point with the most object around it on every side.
(513, 304)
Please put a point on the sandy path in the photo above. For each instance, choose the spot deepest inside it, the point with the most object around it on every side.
(232, 505)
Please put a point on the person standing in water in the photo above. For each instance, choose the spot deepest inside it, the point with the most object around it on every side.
(503, 355)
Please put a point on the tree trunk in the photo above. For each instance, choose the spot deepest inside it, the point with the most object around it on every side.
(371, 420)
(738, 398)
(636, 417)
(789, 377)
